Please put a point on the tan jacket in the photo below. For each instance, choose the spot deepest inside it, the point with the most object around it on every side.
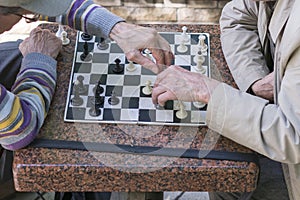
(270, 129)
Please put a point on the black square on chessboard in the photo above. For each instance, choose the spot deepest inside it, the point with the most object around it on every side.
(188, 52)
(116, 89)
(112, 66)
(186, 67)
(130, 102)
(142, 94)
(100, 58)
(80, 47)
(132, 80)
(147, 115)
(185, 120)
(169, 37)
(111, 114)
(95, 78)
(145, 71)
(76, 113)
(114, 48)
(82, 67)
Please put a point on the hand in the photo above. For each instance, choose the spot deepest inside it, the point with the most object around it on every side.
(178, 83)
(133, 39)
(264, 87)
(41, 41)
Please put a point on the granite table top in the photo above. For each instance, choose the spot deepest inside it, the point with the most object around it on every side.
(45, 169)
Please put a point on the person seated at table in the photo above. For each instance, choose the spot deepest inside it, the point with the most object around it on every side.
(28, 75)
(261, 44)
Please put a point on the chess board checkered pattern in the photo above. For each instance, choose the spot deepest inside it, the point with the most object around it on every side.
(134, 107)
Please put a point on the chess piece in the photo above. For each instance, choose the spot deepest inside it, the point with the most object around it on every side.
(199, 60)
(198, 104)
(184, 36)
(147, 90)
(148, 52)
(182, 47)
(98, 89)
(86, 55)
(131, 67)
(181, 113)
(79, 85)
(76, 100)
(59, 31)
(102, 44)
(65, 40)
(201, 45)
(118, 69)
(113, 100)
(95, 110)
(86, 37)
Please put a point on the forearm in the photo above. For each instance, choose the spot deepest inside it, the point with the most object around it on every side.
(24, 109)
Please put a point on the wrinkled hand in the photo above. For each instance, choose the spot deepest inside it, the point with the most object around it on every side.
(264, 87)
(41, 41)
(178, 83)
(133, 39)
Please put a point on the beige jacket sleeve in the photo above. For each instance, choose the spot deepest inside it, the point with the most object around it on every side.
(241, 44)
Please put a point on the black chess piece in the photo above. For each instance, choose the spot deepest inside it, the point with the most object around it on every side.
(118, 69)
(113, 100)
(102, 44)
(86, 55)
(86, 37)
(79, 85)
(95, 111)
(98, 89)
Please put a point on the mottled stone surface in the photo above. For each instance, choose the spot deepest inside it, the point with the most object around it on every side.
(40, 169)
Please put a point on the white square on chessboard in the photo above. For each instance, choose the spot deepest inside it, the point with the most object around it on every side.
(97, 50)
(131, 91)
(114, 79)
(89, 117)
(78, 59)
(84, 101)
(187, 105)
(137, 71)
(107, 105)
(99, 68)
(178, 39)
(145, 78)
(198, 116)
(146, 103)
(86, 78)
(129, 114)
(114, 56)
(183, 60)
(164, 115)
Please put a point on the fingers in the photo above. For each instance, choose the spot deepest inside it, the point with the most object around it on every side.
(160, 95)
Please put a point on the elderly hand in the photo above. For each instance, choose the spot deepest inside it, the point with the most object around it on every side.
(264, 87)
(41, 41)
(178, 83)
(133, 39)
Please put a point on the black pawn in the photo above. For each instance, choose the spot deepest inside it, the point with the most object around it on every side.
(86, 37)
(95, 111)
(102, 44)
(113, 100)
(98, 89)
(118, 69)
(86, 56)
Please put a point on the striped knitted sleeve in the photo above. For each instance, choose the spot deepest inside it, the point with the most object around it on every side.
(86, 16)
(23, 110)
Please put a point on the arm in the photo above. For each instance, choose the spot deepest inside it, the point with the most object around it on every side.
(23, 110)
(241, 44)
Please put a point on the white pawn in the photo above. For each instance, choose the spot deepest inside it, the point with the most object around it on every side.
(181, 113)
(131, 67)
(198, 104)
(185, 37)
(182, 47)
(147, 90)
(65, 40)
(202, 46)
(199, 60)
(59, 31)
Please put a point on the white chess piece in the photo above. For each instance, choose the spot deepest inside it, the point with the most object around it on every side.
(147, 90)
(184, 36)
(147, 51)
(198, 104)
(59, 31)
(131, 67)
(201, 45)
(65, 40)
(182, 47)
(181, 113)
(199, 60)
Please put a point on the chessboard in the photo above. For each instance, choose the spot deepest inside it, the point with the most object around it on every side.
(107, 88)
